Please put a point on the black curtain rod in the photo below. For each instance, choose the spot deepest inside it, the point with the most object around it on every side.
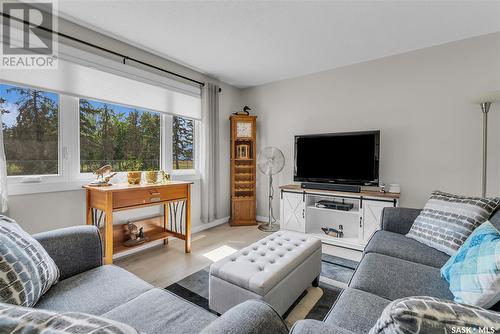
(125, 57)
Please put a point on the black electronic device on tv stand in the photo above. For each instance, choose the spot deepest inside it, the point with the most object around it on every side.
(332, 186)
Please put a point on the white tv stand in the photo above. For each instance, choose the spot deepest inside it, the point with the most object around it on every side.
(299, 213)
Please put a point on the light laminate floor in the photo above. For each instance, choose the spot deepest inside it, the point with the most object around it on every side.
(164, 265)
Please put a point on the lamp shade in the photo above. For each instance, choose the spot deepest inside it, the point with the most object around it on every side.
(493, 96)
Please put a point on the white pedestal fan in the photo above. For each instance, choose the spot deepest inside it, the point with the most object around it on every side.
(270, 162)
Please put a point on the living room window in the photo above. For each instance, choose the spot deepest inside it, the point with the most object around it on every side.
(54, 141)
(30, 123)
(125, 138)
(183, 134)
(61, 127)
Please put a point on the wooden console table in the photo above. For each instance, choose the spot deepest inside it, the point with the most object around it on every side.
(173, 196)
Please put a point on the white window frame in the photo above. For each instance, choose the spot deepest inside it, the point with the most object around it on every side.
(90, 176)
(69, 176)
(181, 174)
(28, 181)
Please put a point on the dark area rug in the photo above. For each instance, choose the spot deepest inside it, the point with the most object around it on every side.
(337, 268)
(194, 288)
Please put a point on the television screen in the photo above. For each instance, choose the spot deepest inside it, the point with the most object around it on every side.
(350, 158)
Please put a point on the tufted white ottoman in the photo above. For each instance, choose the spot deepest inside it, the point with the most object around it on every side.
(276, 269)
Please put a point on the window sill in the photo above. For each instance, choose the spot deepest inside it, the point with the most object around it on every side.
(15, 189)
(48, 187)
(185, 175)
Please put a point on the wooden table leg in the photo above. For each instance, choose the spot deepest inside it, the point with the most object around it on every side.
(108, 230)
(188, 220)
(89, 208)
(165, 220)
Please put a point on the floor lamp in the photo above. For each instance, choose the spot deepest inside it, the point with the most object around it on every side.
(485, 102)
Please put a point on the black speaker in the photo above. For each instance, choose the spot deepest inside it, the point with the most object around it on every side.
(332, 186)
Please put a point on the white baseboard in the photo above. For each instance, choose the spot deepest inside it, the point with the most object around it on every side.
(264, 219)
(199, 228)
(194, 229)
(138, 249)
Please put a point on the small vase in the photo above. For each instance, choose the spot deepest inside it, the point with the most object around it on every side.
(151, 176)
(134, 177)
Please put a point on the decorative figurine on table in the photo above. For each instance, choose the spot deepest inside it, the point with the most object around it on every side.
(104, 175)
(137, 236)
(164, 177)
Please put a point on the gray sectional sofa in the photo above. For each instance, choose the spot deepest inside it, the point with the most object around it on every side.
(88, 286)
(392, 267)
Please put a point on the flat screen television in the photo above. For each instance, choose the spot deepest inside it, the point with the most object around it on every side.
(345, 158)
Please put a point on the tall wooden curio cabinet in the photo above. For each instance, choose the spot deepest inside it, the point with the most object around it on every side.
(243, 169)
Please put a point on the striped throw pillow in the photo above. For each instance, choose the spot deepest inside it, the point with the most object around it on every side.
(23, 320)
(447, 220)
(423, 314)
(26, 270)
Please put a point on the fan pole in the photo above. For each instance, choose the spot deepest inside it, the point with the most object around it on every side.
(270, 199)
(270, 226)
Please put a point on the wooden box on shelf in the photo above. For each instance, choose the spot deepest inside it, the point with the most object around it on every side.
(243, 158)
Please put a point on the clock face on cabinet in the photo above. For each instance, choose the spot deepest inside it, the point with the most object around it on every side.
(243, 130)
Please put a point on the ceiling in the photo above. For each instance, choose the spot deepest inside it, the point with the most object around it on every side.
(248, 43)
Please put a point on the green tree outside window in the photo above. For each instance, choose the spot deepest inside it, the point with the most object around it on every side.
(119, 136)
(30, 130)
(182, 140)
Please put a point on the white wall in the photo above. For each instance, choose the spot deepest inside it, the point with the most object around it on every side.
(47, 211)
(430, 132)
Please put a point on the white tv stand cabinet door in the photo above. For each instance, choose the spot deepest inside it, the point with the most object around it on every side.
(293, 212)
(371, 215)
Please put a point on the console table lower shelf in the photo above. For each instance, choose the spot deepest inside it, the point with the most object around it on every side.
(153, 231)
(174, 197)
